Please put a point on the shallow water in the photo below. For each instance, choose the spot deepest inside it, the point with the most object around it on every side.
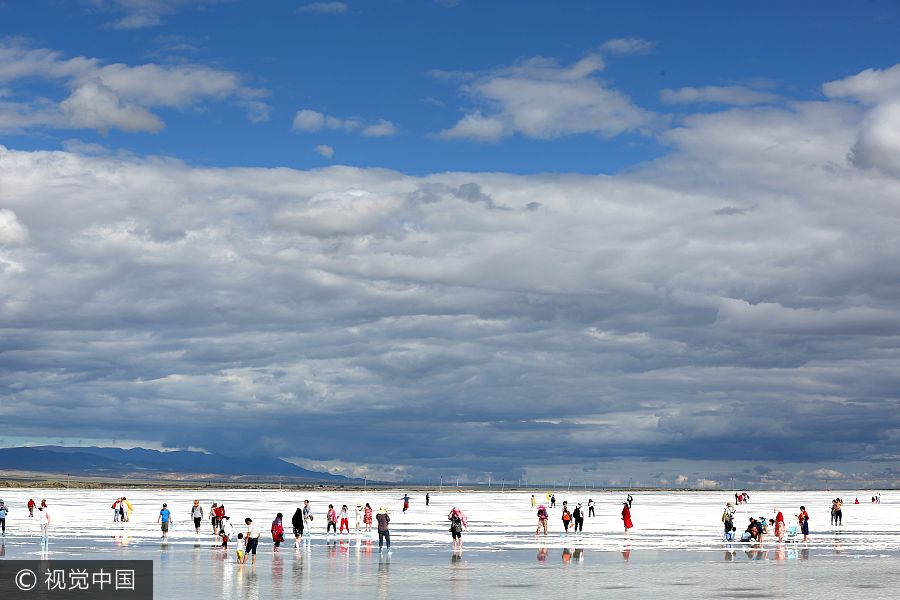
(675, 550)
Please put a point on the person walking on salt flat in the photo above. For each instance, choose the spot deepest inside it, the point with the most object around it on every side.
(626, 516)
(165, 520)
(543, 517)
(197, 516)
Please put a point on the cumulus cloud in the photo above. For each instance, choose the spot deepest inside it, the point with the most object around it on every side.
(102, 96)
(307, 121)
(539, 98)
(872, 86)
(878, 142)
(322, 8)
(495, 323)
(735, 95)
(96, 106)
(12, 232)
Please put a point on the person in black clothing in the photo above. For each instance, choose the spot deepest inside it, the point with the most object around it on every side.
(630, 500)
(297, 524)
(552, 500)
(578, 518)
(755, 529)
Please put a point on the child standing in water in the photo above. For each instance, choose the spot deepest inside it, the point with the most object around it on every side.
(241, 544)
(226, 530)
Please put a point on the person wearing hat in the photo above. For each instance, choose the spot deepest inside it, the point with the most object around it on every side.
(384, 534)
(728, 517)
(165, 519)
(578, 518)
(359, 511)
(543, 516)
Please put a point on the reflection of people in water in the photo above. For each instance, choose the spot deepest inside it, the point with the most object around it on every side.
(756, 554)
(566, 556)
(626, 552)
(578, 555)
(729, 552)
(542, 555)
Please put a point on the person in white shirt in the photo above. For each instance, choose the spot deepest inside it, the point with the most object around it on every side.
(45, 524)
(252, 539)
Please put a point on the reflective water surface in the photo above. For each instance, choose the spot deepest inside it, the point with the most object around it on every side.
(356, 569)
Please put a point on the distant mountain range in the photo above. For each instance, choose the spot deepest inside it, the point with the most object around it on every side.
(141, 463)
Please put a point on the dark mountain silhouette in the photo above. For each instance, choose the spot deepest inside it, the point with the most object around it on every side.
(143, 463)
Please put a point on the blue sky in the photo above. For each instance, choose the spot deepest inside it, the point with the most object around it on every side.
(376, 60)
(496, 239)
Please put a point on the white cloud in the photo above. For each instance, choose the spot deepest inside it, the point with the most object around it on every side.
(321, 8)
(627, 46)
(480, 306)
(137, 14)
(540, 99)
(872, 86)
(878, 143)
(115, 95)
(382, 128)
(475, 126)
(12, 232)
(306, 120)
(96, 106)
(325, 150)
(735, 95)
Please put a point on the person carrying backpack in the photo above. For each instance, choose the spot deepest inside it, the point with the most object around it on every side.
(728, 517)
(566, 516)
(457, 522)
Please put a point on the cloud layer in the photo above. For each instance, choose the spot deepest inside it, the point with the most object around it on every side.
(737, 299)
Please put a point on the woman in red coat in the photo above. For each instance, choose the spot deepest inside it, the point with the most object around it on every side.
(626, 517)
